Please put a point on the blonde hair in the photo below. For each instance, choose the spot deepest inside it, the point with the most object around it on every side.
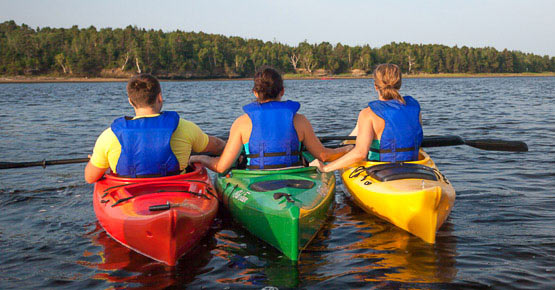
(387, 79)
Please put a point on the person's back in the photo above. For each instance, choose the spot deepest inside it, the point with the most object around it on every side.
(270, 131)
(400, 138)
(389, 129)
(151, 144)
(273, 140)
(145, 149)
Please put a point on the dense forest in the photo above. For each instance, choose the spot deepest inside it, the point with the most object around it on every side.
(178, 54)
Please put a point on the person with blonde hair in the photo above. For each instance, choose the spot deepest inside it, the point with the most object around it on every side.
(389, 129)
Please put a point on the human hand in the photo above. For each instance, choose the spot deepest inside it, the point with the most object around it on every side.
(195, 159)
(317, 163)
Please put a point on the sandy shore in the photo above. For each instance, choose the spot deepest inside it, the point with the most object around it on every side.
(48, 79)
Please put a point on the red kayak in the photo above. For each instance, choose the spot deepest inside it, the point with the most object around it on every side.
(162, 217)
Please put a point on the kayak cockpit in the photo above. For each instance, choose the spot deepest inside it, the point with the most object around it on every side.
(396, 171)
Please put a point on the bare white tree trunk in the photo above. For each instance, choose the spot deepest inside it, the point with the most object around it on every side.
(308, 63)
(239, 62)
(294, 60)
(60, 59)
(64, 68)
(126, 60)
(411, 63)
(138, 66)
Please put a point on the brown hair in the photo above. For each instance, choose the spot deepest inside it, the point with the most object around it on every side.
(267, 83)
(387, 78)
(143, 89)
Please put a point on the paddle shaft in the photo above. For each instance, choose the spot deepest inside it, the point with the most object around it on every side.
(429, 141)
(451, 140)
(43, 163)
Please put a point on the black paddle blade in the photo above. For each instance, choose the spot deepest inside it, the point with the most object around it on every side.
(498, 145)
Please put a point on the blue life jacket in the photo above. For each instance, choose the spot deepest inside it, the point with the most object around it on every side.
(402, 134)
(273, 142)
(145, 145)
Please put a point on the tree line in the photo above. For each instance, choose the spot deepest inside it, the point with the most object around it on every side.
(178, 54)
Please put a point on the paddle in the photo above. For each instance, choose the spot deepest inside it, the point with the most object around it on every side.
(43, 163)
(429, 141)
(452, 140)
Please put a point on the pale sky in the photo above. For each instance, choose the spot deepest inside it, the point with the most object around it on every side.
(525, 25)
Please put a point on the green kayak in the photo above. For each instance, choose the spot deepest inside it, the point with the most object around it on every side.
(285, 208)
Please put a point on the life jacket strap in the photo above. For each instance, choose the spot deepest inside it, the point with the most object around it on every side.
(391, 151)
(275, 166)
(273, 154)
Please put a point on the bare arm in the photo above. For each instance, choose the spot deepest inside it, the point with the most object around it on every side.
(355, 130)
(362, 145)
(230, 153)
(93, 173)
(313, 144)
(215, 145)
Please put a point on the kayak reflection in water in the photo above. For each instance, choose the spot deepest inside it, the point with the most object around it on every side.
(271, 131)
(151, 144)
(389, 129)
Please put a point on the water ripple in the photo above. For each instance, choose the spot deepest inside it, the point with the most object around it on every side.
(499, 235)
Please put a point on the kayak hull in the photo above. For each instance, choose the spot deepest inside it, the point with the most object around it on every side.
(123, 208)
(286, 217)
(416, 204)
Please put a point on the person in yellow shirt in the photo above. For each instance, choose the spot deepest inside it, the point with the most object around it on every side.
(153, 143)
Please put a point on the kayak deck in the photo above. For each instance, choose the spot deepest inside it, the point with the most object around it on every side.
(285, 208)
(414, 196)
(161, 218)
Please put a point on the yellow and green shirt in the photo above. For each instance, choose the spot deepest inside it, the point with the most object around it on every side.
(187, 137)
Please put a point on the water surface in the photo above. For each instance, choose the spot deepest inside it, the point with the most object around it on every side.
(501, 232)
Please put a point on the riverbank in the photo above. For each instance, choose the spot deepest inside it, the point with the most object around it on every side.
(423, 75)
(57, 79)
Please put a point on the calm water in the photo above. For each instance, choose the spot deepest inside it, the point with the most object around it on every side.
(501, 232)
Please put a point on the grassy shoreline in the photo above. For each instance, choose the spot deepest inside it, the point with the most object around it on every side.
(58, 79)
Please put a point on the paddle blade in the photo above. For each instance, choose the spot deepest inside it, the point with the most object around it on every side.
(498, 145)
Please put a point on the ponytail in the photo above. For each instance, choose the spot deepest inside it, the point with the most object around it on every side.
(387, 78)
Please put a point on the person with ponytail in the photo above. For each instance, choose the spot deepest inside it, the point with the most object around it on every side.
(270, 132)
(389, 129)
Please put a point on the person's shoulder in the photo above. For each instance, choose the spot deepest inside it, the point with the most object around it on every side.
(107, 133)
(366, 112)
(184, 123)
(242, 124)
(410, 99)
(107, 138)
(300, 118)
(243, 119)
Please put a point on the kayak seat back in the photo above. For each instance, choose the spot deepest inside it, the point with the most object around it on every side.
(396, 171)
(270, 185)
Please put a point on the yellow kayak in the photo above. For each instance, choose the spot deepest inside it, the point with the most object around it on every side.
(414, 195)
